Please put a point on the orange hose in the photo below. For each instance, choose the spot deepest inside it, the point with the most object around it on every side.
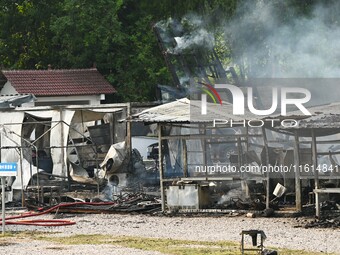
(49, 223)
(43, 223)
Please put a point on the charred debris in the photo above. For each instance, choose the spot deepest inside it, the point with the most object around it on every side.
(151, 157)
(78, 154)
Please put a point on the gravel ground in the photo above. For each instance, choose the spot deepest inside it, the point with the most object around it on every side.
(281, 232)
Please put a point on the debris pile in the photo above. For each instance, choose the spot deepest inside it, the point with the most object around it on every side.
(128, 202)
(239, 204)
(324, 223)
(329, 205)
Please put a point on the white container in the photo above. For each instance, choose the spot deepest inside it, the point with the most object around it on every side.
(279, 190)
(187, 196)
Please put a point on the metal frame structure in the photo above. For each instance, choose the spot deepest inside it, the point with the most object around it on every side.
(53, 125)
(237, 139)
(315, 153)
(302, 143)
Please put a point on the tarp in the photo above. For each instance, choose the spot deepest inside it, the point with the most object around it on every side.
(60, 121)
(10, 130)
(15, 100)
(117, 153)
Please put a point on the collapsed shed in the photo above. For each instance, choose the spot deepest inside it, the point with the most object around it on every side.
(199, 161)
(200, 164)
(318, 136)
(62, 143)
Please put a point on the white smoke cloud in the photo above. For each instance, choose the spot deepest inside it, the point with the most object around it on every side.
(264, 39)
(187, 34)
(285, 45)
(270, 38)
(201, 37)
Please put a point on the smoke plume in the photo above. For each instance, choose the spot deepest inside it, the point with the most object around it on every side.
(273, 40)
(187, 34)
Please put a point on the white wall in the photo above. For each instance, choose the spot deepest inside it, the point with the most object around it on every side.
(141, 143)
(91, 100)
(8, 89)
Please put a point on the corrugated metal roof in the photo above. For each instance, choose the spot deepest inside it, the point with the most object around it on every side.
(177, 111)
(323, 116)
(189, 111)
(185, 111)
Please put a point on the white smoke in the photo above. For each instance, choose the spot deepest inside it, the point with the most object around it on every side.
(265, 39)
(187, 34)
(285, 45)
(227, 199)
(201, 37)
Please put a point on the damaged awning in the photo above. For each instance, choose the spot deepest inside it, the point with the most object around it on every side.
(177, 111)
(325, 120)
(13, 101)
(189, 111)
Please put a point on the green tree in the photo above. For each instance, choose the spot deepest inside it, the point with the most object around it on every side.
(25, 36)
(117, 36)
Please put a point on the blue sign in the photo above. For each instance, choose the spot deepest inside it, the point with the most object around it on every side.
(8, 169)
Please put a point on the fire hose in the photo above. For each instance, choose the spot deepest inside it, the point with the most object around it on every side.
(48, 223)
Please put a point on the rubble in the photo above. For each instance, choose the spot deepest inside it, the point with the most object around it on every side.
(129, 202)
(329, 205)
(324, 223)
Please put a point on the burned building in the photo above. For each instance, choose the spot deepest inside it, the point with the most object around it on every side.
(210, 157)
(204, 167)
(57, 146)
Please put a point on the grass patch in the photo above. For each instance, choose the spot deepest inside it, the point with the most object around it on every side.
(5, 243)
(23, 234)
(163, 245)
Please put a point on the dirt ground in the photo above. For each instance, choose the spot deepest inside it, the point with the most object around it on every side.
(281, 232)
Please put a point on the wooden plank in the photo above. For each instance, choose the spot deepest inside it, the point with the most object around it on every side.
(197, 137)
(160, 167)
(267, 163)
(316, 174)
(327, 190)
(201, 178)
(185, 158)
(298, 200)
(128, 131)
(327, 153)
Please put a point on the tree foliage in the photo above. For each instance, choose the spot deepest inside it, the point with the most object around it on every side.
(117, 36)
(25, 35)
